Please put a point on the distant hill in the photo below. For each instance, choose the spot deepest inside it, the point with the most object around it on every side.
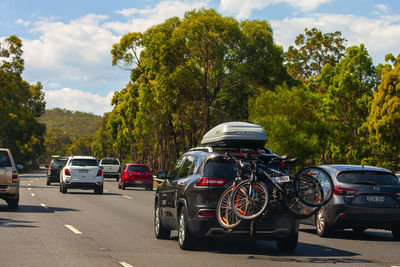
(73, 123)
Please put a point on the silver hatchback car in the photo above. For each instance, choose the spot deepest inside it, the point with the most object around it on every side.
(364, 197)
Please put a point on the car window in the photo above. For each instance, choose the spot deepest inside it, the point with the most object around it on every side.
(138, 168)
(216, 168)
(58, 164)
(4, 159)
(83, 162)
(186, 169)
(109, 162)
(175, 171)
(195, 165)
(373, 177)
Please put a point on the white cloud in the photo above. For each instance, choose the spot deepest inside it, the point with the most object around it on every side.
(147, 17)
(382, 7)
(244, 8)
(22, 22)
(380, 35)
(77, 100)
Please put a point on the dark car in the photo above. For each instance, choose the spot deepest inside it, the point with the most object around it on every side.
(364, 197)
(53, 171)
(136, 175)
(186, 201)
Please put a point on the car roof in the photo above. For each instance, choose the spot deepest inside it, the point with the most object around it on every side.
(82, 157)
(136, 164)
(335, 169)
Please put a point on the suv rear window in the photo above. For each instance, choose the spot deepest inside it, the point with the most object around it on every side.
(220, 169)
(4, 159)
(368, 177)
(83, 162)
(58, 164)
(138, 168)
(109, 162)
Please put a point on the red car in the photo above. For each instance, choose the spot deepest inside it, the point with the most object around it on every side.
(136, 175)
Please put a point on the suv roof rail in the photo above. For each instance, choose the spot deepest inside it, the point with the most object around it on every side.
(201, 148)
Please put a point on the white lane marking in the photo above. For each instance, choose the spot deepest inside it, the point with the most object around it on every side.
(43, 205)
(29, 184)
(128, 197)
(36, 179)
(125, 264)
(31, 181)
(73, 229)
(105, 190)
(32, 194)
(29, 188)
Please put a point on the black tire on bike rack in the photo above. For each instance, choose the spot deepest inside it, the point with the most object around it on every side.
(292, 204)
(319, 183)
(225, 215)
(239, 195)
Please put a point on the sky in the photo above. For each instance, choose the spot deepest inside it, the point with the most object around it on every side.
(67, 43)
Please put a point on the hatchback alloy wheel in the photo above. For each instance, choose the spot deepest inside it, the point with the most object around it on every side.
(159, 230)
(321, 223)
(185, 239)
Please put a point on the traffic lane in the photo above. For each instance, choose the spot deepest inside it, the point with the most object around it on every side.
(136, 244)
(34, 236)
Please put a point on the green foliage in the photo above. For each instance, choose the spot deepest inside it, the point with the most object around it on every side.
(384, 118)
(20, 106)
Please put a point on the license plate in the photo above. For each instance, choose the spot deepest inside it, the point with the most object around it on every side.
(139, 182)
(375, 198)
(282, 179)
(83, 171)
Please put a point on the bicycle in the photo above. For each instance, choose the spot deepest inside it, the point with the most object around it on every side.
(301, 195)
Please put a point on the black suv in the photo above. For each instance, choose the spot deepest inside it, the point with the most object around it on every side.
(53, 171)
(186, 201)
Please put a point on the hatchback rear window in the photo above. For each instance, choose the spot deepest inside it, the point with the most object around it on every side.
(109, 162)
(83, 162)
(368, 177)
(4, 159)
(57, 164)
(138, 168)
(220, 169)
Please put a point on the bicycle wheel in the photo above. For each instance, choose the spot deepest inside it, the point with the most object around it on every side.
(295, 207)
(314, 186)
(249, 199)
(225, 215)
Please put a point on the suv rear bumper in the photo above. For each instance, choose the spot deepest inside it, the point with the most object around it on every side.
(9, 191)
(76, 185)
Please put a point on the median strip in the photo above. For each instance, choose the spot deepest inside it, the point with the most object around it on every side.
(128, 197)
(125, 264)
(73, 229)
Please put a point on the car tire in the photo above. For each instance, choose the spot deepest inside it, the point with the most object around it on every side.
(116, 179)
(396, 234)
(159, 230)
(48, 182)
(288, 244)
(149, 188)
(99, 190)
(123, 187)
(13, 204)
(119, 185)
(64, 189)
(359, 229)
(185, 238)
(321, 223)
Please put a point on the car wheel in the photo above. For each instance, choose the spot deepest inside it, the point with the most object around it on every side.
(396, 234)
(321, 223)
(185, 238)
(99, 190)
(123, 186)
(48, 182)
(159, 230)
(64, 189)
(13, 204)
(119, 185)
(359, 229)
(288, 244)
(116, 179)
(149, 188)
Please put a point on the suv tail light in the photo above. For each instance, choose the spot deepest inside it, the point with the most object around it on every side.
(207, 213)
(344, 191)
(67, 172)
(14, 177)
(100, 172)
(206, 181)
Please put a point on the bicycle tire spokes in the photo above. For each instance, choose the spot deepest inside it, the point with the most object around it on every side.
(297, 208)
(225, 215)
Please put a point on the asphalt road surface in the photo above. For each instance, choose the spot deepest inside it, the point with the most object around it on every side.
(116, 229)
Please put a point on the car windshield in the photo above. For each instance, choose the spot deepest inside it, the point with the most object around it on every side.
(138, 168)
(368, 177)
(58, 164)
(220, 169)
(83, 162)
(109, 162)
(4, 159)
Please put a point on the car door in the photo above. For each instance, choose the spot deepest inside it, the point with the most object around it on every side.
(5, 169)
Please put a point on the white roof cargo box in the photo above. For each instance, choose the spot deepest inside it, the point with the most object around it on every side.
(236, 134)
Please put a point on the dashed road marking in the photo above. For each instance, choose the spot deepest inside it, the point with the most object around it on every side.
(29, 188)
(73, 229)
(128, 197)
(32, 194)
(125, 264)
(29, 184)
(105, 190)
(31, 181)
(43, 205)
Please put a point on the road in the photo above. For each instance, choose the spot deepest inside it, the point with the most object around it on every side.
(116, 229)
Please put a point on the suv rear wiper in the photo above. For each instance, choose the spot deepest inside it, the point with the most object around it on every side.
(365, 182)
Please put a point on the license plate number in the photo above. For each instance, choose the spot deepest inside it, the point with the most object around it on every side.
(83, 171)
(282, 179)
(375, 198)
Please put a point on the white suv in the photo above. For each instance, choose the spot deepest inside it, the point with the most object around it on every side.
(81, 172)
